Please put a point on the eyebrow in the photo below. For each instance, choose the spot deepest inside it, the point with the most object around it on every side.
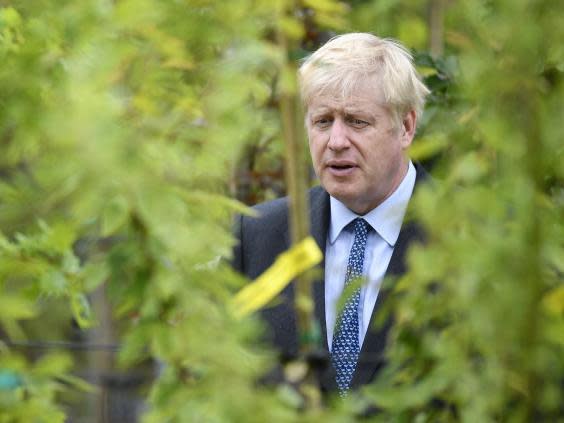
(319, 110)
(346, 111)
(357, 112)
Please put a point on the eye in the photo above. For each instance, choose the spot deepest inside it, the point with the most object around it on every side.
(322, 122)
(357, 123)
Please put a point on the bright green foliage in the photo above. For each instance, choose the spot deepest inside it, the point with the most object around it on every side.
(480, 333)
(120, 123)
(404, 20)
(36, 385)
(120, 127)
(28, 391)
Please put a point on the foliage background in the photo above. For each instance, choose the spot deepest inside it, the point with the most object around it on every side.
(127, 127)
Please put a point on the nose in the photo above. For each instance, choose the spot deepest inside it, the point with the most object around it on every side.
(338, 139)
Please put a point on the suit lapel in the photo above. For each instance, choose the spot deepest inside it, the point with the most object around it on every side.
(320, 219)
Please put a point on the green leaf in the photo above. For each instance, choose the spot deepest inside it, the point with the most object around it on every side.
(78, 383)
(52, 364)
(71, 264)
(553, 301)
(469, 168)
(81, 310)
(94, 274)
(58, 237)
(16, 307)
(424, 148)
(53, 282)
(114, 215)
(413, 32)
(292, 28)
(202, 198)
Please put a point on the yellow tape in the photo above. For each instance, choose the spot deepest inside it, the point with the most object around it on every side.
(287, 266)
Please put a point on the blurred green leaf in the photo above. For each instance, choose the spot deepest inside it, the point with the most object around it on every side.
(425, 148)
(52, 365)
(81, 310)
(114, 215)
(16, 307)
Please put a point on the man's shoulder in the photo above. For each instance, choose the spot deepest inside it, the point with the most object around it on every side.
(272, 208)
(265, 234)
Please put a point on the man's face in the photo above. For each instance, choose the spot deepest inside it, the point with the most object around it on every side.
(357, 152)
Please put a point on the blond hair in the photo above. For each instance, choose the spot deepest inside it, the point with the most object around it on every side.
(344, 61)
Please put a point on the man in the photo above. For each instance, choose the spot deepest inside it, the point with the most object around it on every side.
(363, 98)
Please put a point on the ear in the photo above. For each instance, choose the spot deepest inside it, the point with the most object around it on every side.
(408, 126)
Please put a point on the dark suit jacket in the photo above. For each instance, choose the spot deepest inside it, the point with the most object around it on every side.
(264, 237)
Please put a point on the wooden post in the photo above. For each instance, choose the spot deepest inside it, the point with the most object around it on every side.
(296, 175)
(436, 27)
(296, 181)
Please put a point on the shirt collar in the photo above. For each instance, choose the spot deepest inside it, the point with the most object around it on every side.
(386, 219)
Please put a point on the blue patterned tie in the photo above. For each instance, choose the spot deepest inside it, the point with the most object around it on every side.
(346, 349)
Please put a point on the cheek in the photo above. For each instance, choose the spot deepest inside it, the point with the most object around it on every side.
(315, 148)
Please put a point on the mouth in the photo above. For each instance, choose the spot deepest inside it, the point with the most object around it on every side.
(341, 168)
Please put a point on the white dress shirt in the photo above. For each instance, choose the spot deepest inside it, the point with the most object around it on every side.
(385, 220)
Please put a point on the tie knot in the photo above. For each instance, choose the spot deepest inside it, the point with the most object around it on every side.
(360, 226)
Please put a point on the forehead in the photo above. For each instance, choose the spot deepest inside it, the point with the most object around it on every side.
(363, 96)
(362, 104)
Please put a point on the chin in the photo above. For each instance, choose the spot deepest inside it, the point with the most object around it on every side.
(344, 196)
